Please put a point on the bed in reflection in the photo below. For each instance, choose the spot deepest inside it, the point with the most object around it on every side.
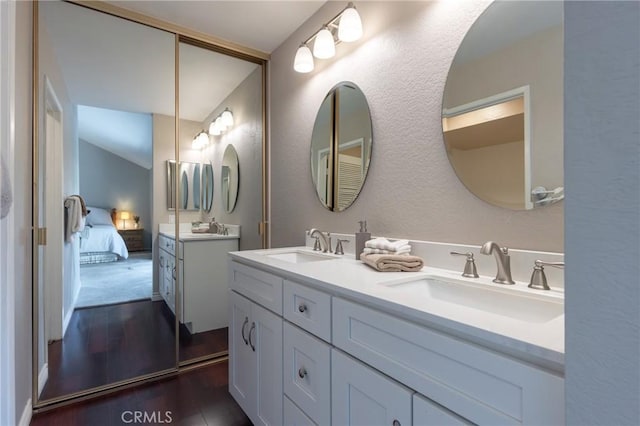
(100, 241)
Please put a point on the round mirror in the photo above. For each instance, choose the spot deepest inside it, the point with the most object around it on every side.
(207, 187)
(341, 146)
(230, 178)
(184, 191)
(196, 187)
(502, 108)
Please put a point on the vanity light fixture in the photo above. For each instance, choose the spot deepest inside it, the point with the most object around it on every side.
(345, 26)
(200, 141)
(222, 122)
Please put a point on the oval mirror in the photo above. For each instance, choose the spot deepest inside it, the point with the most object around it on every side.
(502, 107)
(196, 187)
(184, 195)
(230, 178)
(341, 146)
(207, 187)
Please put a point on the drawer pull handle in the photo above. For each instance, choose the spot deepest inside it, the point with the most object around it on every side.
(302, 373)
(302, 307)
(253, 326)
(244, 324)
(396, 423)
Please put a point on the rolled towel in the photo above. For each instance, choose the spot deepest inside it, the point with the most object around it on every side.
(406, 249)
(384, 244)
(392, 262)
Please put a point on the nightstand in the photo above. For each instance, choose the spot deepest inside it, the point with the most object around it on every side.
(132, 238)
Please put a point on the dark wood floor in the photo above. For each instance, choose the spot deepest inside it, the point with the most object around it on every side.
(107, 344)
(197, 397)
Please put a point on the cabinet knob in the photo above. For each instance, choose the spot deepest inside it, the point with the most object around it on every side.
(302, 373)
(396, 423)
(302, 307)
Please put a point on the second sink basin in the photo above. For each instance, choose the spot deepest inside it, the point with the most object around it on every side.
(299, 256)
(509, 302)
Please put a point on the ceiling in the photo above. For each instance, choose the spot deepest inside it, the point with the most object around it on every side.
(119, 66)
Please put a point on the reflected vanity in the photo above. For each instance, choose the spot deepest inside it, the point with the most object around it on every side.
(341, 146)
(502, 106)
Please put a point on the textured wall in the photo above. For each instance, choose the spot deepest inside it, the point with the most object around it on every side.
(602, 170)
(401, 65)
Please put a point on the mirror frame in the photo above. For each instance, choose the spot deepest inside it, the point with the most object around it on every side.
(180, 34)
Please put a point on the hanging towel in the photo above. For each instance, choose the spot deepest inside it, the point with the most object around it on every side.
(83, 205)
(75, 219)
(393, 263)
(6, 196)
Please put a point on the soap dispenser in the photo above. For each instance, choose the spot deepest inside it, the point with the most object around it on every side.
(361, 237)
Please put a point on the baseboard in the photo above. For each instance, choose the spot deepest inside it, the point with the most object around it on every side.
(67, 317)
(156, 296)
(25, 419)
(42, 377)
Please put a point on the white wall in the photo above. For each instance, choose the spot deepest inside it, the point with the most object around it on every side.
(602, 170)
(401, 65)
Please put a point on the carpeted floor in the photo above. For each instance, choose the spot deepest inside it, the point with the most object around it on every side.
(116, 282)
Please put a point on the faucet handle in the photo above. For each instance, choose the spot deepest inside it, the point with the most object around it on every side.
(339, 249)
(538, 277)
(470, 270)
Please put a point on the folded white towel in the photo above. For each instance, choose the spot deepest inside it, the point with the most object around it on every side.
(406, 249)
(384, 244)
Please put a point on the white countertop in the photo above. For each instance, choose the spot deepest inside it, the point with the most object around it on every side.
(540, 343)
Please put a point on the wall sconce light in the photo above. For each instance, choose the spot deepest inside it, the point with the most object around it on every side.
(221, 123)
(345, 26)
(200, 141)
(124, 216)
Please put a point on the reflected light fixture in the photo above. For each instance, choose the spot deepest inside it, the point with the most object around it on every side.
(200, 141)
(346, 26)
(223, 121)
(227, 118)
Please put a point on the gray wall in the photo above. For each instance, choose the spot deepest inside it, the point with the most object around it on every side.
(602, 170)
(401, 65)
(107, 180)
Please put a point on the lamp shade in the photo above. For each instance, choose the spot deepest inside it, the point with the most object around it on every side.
(304, 59)
(350, 27)
(227, 117)
(125, 215)
(324, 46)
(214, 130)
(220, 124)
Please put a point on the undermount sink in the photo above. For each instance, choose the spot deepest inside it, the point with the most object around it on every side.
(299, 256)
(507, 302)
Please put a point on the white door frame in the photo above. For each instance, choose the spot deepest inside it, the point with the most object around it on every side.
(7, 233)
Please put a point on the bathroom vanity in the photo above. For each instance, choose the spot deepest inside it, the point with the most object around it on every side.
(201, 261)
(323, 339)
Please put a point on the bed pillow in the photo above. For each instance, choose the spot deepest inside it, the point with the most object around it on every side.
(98, 216)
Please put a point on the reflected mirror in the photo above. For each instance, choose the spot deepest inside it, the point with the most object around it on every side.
(230, 178)
(341, 146)
(207, 187)
(503, 106)
(196, 187)
(189, 185)
(105, 85)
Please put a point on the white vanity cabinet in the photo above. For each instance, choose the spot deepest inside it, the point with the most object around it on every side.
(344, 362)
(255, 345)
(203, 279)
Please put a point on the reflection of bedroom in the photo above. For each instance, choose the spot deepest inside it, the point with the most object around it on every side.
(115, 170)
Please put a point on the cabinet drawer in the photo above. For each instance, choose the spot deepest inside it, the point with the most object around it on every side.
(293, 416)
(261, 287)
(428, 413)
(307, 362)
(480, 385)
(169, 244)
(308, 308)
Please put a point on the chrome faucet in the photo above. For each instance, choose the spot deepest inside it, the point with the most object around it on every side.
(324, 241)
(503, 262)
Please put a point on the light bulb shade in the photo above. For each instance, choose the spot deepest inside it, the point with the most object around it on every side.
(213, 129)
(124, 215)
(324, 46)
(350, 27)
(204, 139)
(220, 124)
(304, 59)
(227, 118)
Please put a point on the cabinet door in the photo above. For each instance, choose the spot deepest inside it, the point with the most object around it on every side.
(428, 413)
(363, 396)
(266, 338)
(242, 366)
(161, 263)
